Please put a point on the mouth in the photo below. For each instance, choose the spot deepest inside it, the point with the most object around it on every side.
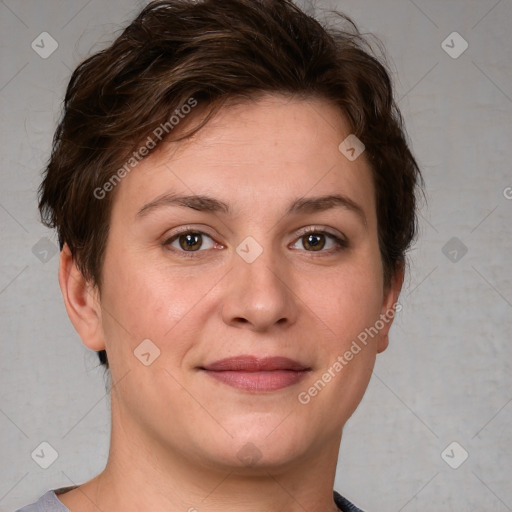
(255, 374)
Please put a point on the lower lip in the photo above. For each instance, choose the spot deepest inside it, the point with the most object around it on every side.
(258, 381)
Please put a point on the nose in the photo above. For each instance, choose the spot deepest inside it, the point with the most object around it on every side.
(259, 295)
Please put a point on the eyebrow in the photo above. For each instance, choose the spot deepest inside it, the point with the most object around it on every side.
(204, 203)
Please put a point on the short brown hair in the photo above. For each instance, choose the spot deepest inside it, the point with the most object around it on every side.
(213, 51)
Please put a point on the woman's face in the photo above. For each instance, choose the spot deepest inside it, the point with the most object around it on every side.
(264, 267)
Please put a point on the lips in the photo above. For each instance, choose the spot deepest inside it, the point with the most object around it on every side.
(255, 374)
(255, 364)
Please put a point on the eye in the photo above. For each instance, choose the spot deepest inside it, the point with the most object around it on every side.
(312, 240)
(190, 241)
(316, 241)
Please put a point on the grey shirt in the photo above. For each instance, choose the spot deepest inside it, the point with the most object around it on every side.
(49, 502)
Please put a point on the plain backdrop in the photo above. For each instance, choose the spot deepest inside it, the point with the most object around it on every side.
(441, 392)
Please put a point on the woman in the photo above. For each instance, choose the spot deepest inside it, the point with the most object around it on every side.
(234, 196)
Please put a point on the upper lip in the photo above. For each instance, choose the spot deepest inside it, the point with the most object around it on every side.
(255, 364)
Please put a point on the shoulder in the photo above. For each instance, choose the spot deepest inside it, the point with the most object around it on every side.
(48, 502)
(344, 505)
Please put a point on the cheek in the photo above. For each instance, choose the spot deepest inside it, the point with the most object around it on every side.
(348, 299)
(349, 303)
(146, 301)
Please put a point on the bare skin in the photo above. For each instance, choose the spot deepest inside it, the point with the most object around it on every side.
(178, 435)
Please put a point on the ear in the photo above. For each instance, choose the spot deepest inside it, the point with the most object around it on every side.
(82, 302)
(389, 307)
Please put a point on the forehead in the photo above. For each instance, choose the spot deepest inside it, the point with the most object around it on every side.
(255, 155)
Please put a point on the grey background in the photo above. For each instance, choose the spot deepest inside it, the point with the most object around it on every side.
(447, 373)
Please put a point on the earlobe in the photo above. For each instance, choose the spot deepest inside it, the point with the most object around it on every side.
(81, 299)
(389, 308)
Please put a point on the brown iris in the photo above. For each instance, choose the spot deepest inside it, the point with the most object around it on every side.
(315, 241)
(191, 241)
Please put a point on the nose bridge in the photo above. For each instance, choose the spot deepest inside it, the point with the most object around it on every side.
(258, 293)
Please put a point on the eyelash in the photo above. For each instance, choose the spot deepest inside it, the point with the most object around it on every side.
(341, 243)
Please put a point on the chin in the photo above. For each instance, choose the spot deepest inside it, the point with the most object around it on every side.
(262, 442)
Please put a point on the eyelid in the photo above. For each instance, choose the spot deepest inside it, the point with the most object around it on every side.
(320, 229)
(187, 229)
